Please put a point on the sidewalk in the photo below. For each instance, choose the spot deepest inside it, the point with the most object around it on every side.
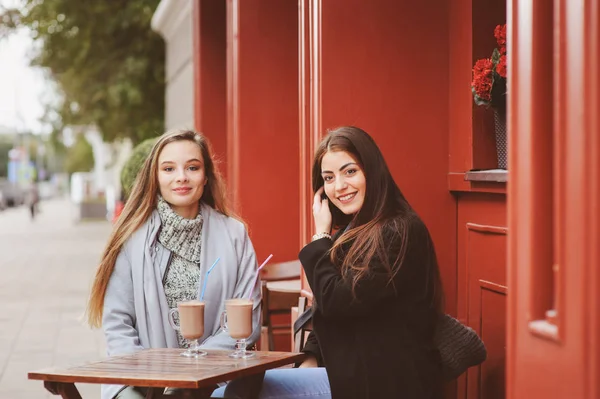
(46, 267)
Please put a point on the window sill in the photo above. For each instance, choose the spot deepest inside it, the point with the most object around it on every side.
(544, 329)
(491, 175)
(483, 181)
(548, 328)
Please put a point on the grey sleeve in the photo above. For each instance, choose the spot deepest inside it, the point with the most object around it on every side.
(245, 280)
(118, 318)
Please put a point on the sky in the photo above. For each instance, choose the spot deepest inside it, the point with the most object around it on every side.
(23, 89)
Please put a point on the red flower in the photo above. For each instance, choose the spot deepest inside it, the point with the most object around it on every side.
(500, 35)
(501, 67)
(490, 74)
(482, 78)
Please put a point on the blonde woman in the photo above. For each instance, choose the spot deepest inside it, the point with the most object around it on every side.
(175, 224)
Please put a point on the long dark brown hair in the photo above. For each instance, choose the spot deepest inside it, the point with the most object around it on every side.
(141, 204)
(385, 216)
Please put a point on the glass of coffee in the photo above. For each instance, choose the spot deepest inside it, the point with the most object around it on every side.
(191, 325)
(236, 319)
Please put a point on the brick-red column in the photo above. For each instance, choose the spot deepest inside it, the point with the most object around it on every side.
(262, 117)
(210, 103)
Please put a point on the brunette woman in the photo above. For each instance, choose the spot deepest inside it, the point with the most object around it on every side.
(374, 275)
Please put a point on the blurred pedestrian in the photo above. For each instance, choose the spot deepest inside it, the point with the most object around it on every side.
(33, 199)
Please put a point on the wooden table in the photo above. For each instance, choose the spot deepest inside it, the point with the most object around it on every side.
(161, 368)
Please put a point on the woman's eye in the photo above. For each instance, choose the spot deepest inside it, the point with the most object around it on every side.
(194, 168)
(327, 178)
(351, 171)
(168, 169)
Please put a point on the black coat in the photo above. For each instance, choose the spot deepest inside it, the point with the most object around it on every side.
(379, 343)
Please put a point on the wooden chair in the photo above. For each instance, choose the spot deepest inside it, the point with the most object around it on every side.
(302, 333)
(281, 290)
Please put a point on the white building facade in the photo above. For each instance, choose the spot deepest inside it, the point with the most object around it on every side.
(173, 21)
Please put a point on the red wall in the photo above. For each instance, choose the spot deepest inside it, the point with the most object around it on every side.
(384, 69)
(482, 288)
(553, 200)
(263, 122)
(401, 70)
(210, 75)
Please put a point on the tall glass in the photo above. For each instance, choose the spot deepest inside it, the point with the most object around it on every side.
(236, 319)
(191, 325)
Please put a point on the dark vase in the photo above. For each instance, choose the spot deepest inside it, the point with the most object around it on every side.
(500, 128)
(499, 106)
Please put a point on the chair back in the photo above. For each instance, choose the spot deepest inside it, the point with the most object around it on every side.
(281, 271)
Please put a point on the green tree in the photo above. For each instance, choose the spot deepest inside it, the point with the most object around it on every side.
(57, 153)
(5, 145)
(80, 157)
(104, 56)
(134, 164)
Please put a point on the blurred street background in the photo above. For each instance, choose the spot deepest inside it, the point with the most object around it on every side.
(46, 267)
(82, 84)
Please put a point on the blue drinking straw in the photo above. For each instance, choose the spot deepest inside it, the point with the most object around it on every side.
(206, 277)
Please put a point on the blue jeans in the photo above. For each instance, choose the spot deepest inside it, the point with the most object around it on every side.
(310, 383)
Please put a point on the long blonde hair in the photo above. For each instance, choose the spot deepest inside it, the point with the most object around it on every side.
(141, 204)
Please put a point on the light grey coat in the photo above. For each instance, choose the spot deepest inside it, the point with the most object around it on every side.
(135, 305)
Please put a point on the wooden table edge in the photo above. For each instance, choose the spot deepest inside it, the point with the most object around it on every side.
(53, 375)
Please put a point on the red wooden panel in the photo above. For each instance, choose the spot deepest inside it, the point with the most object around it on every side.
(263, 135)
(492, 378)
(209, 21)
(367, 80)
(306, 82)
(476, 208)
(575, 359)
(592, 198)
(486, 270)
(306, 142)
(459, 69)
(485, 16)
(486, 253)
(479, 256)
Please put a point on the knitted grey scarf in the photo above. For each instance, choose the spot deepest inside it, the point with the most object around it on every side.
(178, 234)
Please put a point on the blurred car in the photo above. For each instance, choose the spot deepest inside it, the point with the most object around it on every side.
(12, 193)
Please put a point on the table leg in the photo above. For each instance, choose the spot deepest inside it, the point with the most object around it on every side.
(201, 393)
(154, 393)
(64, 389)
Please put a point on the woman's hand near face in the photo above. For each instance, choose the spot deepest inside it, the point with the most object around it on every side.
(321, 213)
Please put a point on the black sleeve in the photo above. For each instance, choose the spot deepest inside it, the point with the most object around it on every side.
(312, 348)
(333, 293)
